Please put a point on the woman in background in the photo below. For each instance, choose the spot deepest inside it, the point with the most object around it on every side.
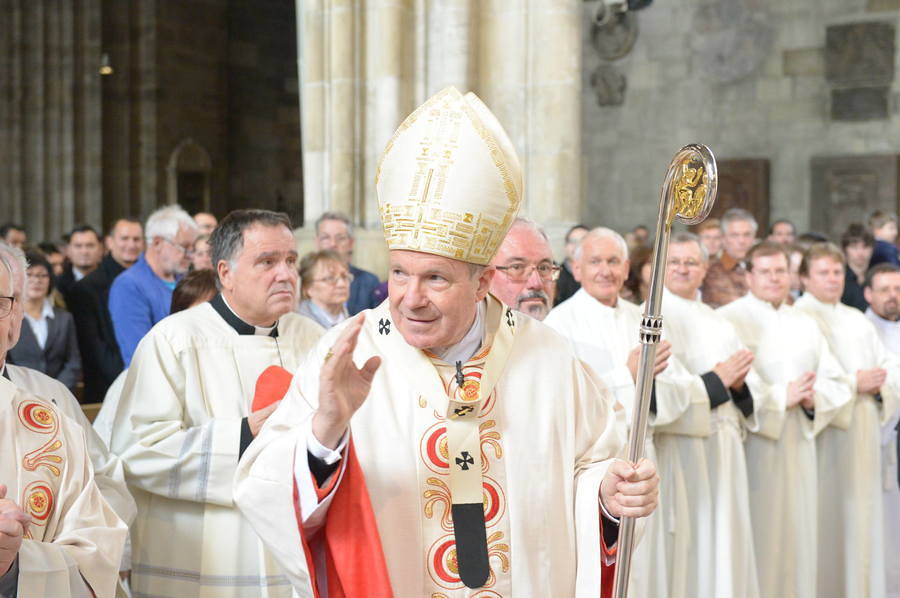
(324, 288)
(48, 343)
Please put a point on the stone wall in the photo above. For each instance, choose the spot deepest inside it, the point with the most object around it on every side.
(748, 78)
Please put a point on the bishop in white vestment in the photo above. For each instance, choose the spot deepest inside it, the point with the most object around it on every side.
(791, 357)
(851, 536)
(487, 448)
(184, 417)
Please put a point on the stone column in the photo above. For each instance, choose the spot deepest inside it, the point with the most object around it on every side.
(362, 70)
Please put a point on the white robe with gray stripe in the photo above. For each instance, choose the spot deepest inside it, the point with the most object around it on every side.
(177, 430)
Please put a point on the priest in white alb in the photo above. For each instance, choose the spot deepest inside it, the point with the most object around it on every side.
(185, 416)
(443, 445)
(711, 457)
(603, 331)
(108, 472)
(882, 292)
(807, 392)
(851, 536)
(58, 536)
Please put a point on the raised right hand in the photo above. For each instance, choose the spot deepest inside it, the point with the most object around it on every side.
(342, 386)
(13, 525)
(801, 391)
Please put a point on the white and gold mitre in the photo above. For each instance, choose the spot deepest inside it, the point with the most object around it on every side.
(449, 181)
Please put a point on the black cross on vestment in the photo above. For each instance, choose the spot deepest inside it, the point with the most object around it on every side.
(465, 460)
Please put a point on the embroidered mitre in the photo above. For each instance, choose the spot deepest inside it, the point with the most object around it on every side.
(449, 181)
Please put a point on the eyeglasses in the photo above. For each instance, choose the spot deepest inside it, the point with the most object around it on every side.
(187, 251)
(686, 263)
(6, 305)
(336, 238)
(348, 278)
(522, 272)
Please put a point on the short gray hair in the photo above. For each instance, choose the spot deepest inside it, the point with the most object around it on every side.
(738, 215)
(683, 237)
(530, 224)
(601, 232)
(339, 216)
(15, 261)
(167, 221)
(227, 239)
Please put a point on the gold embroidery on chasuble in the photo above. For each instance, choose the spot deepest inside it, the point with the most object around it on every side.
(443, 569)
(37, 496)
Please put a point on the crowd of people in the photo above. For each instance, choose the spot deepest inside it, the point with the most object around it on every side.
(490, 389)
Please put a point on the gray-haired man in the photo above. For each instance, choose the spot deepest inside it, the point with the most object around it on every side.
(185, 416)
(334, 232)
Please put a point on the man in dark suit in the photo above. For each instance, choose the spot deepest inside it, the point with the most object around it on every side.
(85, 252)
(334, 232)
(88, 302)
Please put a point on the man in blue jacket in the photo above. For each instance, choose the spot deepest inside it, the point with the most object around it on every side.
(141, 295)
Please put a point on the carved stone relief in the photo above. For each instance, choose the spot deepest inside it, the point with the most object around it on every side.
(846, 188)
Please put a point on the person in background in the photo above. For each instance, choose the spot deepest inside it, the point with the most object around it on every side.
(206, 223)
(324, 288)
(141, 296)
(637, 286)
(14, 235)
(641, 235)
(202, 258)
(783, 232)
(85, 252)
(857, 243)
(566, 285)
(48, 343)
(89, 305)
(54, 256)
(726, 276)
(196, 287)
(884, 229)
(527, 278)
(334, 232)
(795, 256)
(710, 233)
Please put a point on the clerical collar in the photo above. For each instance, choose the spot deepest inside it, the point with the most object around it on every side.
(222, 308)
(871, 311)
(470, 343)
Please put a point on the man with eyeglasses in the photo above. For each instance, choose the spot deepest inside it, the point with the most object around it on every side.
(527, 275)
(602, 329)
(334, 232)
(701, 453)
(141, 295)
(58, 536)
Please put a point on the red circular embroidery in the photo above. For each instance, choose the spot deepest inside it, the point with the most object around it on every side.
(444, 560)
(38, 501)
(37, 417)
(434, 448)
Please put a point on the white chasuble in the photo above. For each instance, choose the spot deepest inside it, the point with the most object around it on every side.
(548, 431)
(602, 337)
(712, 464)
(851, 536)
(781, 450)
(74, 542)
(177, 430)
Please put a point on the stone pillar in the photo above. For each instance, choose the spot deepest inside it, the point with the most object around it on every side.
(365, 66)
(49, 105)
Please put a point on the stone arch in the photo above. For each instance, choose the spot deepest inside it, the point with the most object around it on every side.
(188, 176)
